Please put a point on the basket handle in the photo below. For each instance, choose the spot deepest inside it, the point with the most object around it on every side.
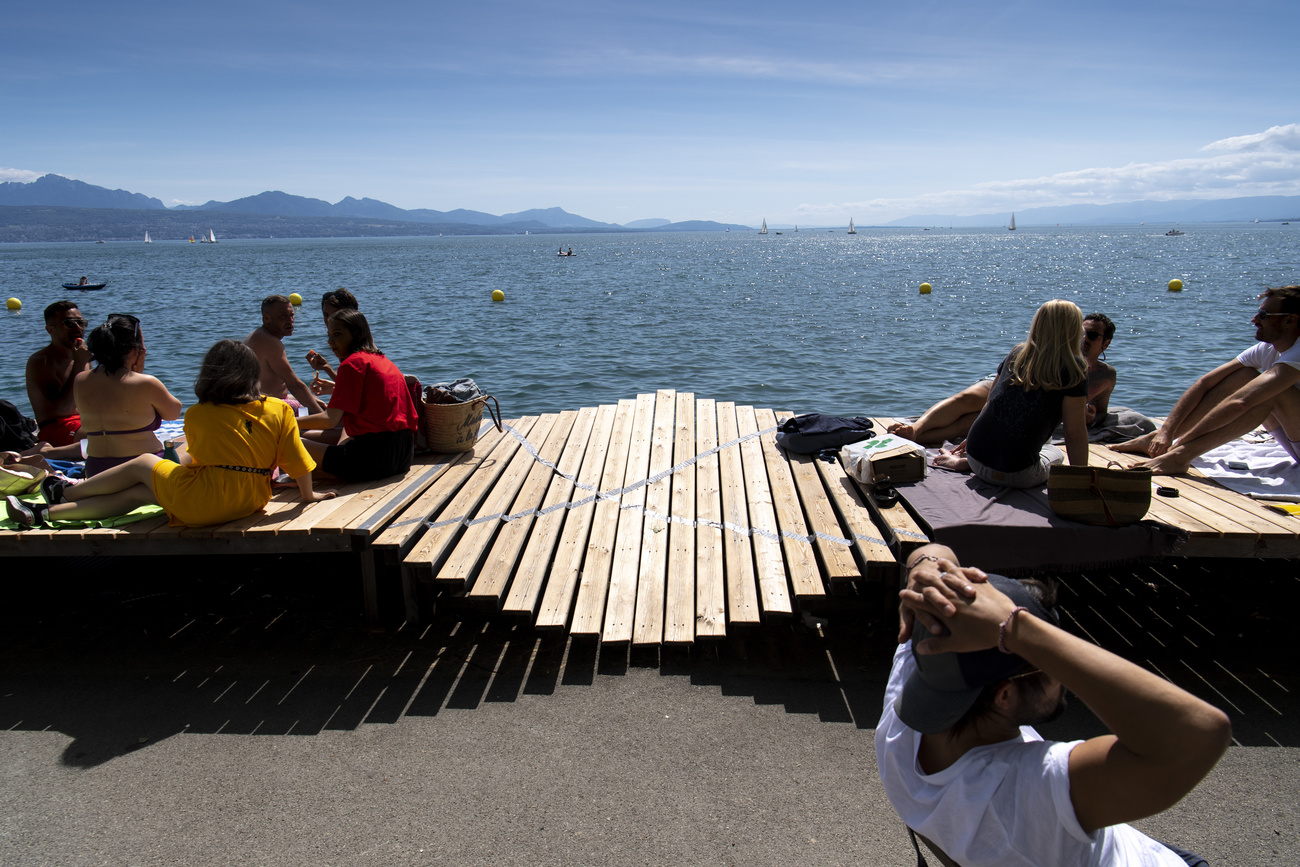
(496, 416)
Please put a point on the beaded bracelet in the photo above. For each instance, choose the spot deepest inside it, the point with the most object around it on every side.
(1002, 629)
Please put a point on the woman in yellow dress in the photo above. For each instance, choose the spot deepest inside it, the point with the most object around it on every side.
(234, 436)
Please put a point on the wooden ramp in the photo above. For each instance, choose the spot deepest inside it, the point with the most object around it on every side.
(657, 520)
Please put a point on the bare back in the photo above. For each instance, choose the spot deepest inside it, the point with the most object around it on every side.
(271, 355)
(122, 401)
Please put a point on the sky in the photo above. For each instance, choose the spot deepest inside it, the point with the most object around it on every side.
(736, 112)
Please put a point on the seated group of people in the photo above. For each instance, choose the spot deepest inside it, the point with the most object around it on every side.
(1058, 376)
(244, 427)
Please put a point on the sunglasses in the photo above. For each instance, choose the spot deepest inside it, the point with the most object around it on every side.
(1263, 314)
(1092, 335)
(74, 323)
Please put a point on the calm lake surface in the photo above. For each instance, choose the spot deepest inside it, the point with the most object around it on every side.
(814, 320)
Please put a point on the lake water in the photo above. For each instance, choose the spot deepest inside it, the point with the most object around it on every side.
(813, 320)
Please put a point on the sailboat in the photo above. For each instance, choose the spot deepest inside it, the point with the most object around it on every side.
(852, 231)
(147, 239)
(210, 239)
(763, 231)
(1012, 227)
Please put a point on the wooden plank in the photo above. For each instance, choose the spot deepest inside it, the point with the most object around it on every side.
(526, 589)
(652, 575)
(710, 557)
(593, 585)
(679, 607)
(499, 565)
(792, 499)
(427, 552)
(851, 505)
(567, 568)
(1184, 513)
(458, 568)
(620, 606)
(398, 537)
(773, 591)
(738, 551)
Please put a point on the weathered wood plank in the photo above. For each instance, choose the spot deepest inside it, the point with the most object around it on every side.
(679, 607)
(426, 553)
(499, 565)
(851, 505)
(652, 574)
(562, 588)
(526, 589)
(710, 557)
(773, 590)
(402, 532)
(742, 586)
(593, 584)
(785, 475)
(620, 606)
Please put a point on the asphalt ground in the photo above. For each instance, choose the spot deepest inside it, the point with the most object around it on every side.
(161, 711)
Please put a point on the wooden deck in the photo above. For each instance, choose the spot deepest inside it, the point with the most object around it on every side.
(664, 519)
(659, 520)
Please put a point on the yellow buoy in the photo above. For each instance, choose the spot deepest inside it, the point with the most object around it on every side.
(498, 295)
(14, 304)
(925, 288)
(1175, 285)
(295, 299)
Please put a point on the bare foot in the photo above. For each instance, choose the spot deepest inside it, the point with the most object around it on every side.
(1137, 446)
(1166, 465)
(949, 461)
(902, 430)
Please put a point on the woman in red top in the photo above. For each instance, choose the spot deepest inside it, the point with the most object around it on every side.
(370, 397)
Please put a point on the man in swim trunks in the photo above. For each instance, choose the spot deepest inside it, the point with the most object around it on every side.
(1259, 386)
(51, 370)
(950, 419)
(277, 377)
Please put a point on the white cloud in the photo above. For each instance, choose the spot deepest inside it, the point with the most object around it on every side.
(1263, 164)
(19, 176)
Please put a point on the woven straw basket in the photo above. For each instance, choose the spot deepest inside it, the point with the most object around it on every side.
(454, 427)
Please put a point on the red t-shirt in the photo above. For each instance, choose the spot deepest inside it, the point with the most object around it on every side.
(373, 395)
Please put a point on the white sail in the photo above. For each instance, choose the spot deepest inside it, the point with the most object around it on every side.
(763, 231)
(852, 231)
(147, 239)
(1012, 227)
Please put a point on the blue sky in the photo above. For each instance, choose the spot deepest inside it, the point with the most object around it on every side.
(619, 111)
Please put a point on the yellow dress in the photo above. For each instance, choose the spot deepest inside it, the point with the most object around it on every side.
(258, 435)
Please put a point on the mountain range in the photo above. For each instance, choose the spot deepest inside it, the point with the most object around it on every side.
(57, 191)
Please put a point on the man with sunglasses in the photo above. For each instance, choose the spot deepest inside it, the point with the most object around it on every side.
(957, 753)
(51, 370)
(1259, 386)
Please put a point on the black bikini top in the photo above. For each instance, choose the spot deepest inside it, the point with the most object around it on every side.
(153, 426)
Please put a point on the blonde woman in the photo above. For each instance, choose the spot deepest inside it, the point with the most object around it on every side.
(1040, 384)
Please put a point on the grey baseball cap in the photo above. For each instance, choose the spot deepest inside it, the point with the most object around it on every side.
(943, 686)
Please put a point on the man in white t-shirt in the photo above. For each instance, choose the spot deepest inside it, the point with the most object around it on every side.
(1260, 386)
(963, 767)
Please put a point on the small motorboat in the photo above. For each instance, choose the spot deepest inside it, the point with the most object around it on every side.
(84, 287)
(1172, 232)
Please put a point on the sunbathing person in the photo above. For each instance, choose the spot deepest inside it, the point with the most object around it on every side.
(950, 419)
(51, 370)
(1041, 383)
(121, 406)
(235, 436)
(1259, 386)
(371, 399)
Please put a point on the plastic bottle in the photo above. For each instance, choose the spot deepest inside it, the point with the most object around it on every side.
(169, 452)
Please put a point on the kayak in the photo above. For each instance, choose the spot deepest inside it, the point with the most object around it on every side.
(85, 287)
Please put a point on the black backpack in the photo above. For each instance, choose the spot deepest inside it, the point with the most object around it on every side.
(17, 431)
